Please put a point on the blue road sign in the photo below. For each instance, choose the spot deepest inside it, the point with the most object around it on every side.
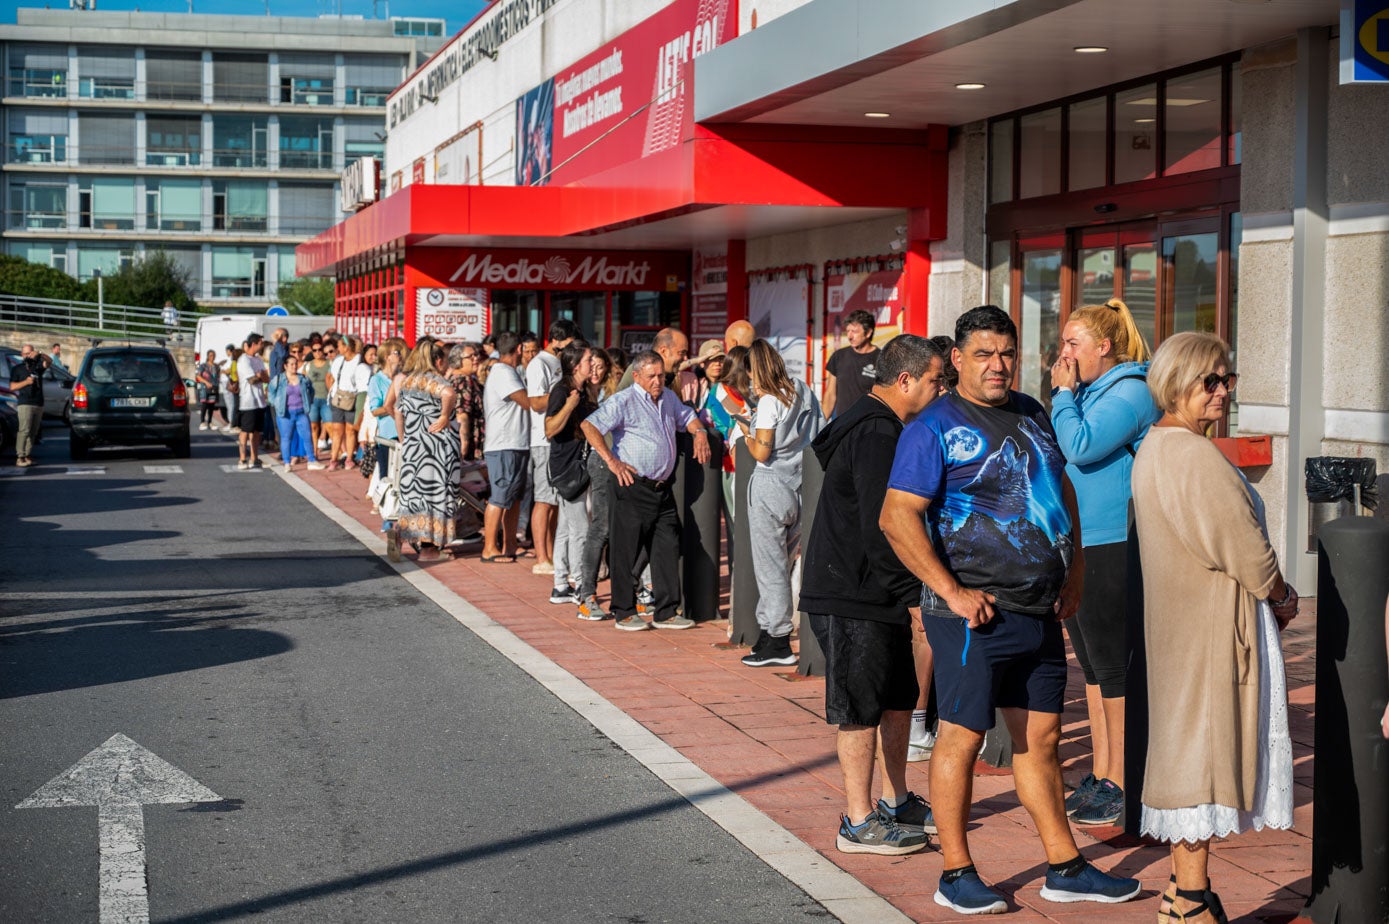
(1365, 41)
(276, 311)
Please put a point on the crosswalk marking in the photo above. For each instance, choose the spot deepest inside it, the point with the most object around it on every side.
(8, 470)
(163, 469)
(86, 470)
(234, 470)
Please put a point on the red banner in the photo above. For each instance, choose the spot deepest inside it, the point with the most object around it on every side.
(602, 96)
(879, 293)
(591, 270)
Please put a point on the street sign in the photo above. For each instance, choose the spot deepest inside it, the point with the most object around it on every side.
(1364, 41)
(120, 778)
(276, 311)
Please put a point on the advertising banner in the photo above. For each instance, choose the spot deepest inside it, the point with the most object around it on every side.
(630, 93)
(778, 309)
(879, 293)
(588, 270)
(1364, 41)
(709, 296)
(455, 315)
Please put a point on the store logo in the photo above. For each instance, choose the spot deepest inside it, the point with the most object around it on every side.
(483, 269)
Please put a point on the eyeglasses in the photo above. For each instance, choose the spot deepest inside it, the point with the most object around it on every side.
(1212, 379)
(318, 349)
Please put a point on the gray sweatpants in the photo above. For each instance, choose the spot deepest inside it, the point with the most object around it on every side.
(570, 534)
(774, 531)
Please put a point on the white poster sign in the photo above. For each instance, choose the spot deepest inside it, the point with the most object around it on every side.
(778, 309)
(454, 315)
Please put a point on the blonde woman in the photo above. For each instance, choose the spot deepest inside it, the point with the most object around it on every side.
(1101, 409)
(787, 418)
(1219, 755)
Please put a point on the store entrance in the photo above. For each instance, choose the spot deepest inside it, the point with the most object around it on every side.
(601, 316)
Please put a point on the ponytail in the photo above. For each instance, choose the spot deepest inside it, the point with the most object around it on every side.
(1114, 322)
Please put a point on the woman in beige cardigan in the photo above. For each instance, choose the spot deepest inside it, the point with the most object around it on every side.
(1219, 757)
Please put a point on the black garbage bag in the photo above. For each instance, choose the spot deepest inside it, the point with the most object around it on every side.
(1333, 478)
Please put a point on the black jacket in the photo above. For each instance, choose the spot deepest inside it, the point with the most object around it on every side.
(850, 569)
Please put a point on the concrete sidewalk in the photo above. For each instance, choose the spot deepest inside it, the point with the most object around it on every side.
(762, 734)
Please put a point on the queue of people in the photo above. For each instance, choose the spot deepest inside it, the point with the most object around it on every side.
(962, 527)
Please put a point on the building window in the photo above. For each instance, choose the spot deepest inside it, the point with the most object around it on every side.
(107, 139)
(174, 205)
(107, 203)
(369, 79)
(1182, 122)
(35, 206)
(173, 75)
(240, 205)
(306, 143)
(424, 27)
(109, 260)
(307, 80)
(238, 272)
(306, 209)
(173, 141)
(37, 70)
(240, 141)
(37, 137)
(240, 78)
(44, 253)
(363, 138)
(105, 73)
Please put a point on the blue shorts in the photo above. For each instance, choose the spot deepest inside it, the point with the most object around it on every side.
(1012, 661)
(506, 475)
(318, 411)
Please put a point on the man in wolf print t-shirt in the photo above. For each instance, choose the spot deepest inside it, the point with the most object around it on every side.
(979, 508)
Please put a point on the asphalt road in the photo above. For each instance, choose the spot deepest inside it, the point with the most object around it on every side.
(375, 760)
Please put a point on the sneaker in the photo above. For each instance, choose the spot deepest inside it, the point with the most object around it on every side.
(543, 567)
(770, 650)
(316, 466)
(202, 426)
(1081, 794)
(913, 815)
(590, 611)
(257, 464)
(323, 445)
(674, 622)
(1104, 807)
(645, 597)
(878, 834)
(562, 595)
(1089, 885)
(969, 895)
(921, 748)
(242, 465)
(632, 624)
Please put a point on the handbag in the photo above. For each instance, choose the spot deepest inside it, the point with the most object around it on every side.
(572, 481)
(343, 400)
(368, 459)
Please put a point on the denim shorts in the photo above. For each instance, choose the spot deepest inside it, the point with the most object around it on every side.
(506, 473)
(318, 411)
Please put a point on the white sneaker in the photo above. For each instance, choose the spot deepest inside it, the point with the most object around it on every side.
(316, 466)
(323, 445)
(243, 465)
(202, 426)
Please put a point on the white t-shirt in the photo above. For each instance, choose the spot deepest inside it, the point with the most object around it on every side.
(508, 423)
(251, 394)
(361, 380)
(541, 376)
(345, 373)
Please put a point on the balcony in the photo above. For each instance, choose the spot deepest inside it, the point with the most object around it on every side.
(106, 88)
(37, 83)
(173, 158)
(37, 149)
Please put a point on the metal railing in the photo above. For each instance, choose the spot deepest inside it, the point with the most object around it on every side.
(18, 312)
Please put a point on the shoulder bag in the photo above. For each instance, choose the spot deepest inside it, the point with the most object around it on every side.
(572, 481)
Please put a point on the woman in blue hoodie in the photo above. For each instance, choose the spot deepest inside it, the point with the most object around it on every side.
(1101, 409)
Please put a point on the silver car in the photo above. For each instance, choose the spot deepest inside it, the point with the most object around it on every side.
(57, 385)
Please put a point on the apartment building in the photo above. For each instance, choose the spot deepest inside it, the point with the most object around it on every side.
(219, 139)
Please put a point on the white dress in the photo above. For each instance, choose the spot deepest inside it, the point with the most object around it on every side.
(1273, 786)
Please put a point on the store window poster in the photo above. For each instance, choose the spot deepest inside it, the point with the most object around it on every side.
(535, 131)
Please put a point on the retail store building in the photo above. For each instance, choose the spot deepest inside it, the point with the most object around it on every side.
(635, 164)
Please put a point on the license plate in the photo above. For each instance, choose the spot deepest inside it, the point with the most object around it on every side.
(132, 402)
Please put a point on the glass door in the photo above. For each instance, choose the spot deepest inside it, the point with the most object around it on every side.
(589, 310)
(1039, 334)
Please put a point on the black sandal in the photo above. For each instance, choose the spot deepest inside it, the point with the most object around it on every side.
(1207, 900)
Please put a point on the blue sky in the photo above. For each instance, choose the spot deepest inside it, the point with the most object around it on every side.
(457, 12)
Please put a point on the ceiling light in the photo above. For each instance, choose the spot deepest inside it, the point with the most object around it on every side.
(1171, 101)
(969, 86)
(877, 115)
(1143, 121)
(1090, 49)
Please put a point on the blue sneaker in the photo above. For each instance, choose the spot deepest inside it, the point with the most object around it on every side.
(969, 895)
(1104, 807)
(1081, 794)
(914, 814)
(1089, 885)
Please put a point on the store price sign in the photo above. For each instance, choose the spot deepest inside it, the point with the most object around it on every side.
(453, 315)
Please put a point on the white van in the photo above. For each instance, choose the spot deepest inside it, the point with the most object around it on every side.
(217, 330)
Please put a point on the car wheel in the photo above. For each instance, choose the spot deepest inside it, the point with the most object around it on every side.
(78, 447)
(67, 414)
(182, 447)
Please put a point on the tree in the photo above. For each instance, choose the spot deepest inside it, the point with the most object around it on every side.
(148, 282)
(314, 294)
(34, 280)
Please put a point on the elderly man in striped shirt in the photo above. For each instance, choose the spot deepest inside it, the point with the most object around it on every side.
(643, 421)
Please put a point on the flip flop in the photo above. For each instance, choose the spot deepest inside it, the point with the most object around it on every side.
(496, 559)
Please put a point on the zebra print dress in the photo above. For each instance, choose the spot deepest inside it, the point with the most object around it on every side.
(430, 469)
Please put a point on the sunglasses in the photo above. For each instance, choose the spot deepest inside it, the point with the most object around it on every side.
(1229, 380)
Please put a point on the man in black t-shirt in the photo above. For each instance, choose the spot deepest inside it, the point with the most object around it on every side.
(26, 381)
(851, 370)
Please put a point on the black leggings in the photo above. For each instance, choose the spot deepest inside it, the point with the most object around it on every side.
(1098, 632)
(206, 411)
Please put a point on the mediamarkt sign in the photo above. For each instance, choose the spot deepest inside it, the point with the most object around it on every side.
(557, 270)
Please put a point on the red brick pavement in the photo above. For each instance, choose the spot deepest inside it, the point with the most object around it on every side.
(762, 734)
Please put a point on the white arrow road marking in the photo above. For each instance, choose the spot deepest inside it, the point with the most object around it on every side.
(119, 778)
(163, 469)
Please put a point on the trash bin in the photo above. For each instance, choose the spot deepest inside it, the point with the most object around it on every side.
(1337, 486)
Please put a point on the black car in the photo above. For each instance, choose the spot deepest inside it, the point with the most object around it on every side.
(131, 393)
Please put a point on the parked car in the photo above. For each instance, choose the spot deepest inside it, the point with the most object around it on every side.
(57, 385)
(9, 419)
(129, 393)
